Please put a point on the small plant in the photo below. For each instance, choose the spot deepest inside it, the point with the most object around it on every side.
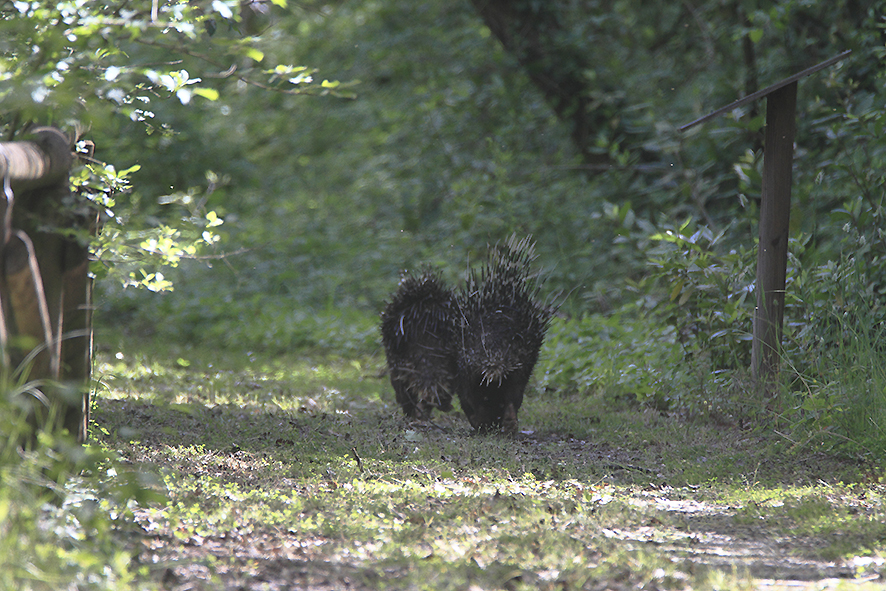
(841, 399)
(710, 295)
(63, 505)
(619, 356)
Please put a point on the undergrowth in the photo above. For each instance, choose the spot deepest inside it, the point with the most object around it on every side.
(64, 507)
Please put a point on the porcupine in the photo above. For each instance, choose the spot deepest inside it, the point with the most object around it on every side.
(418, 333)
(501, 329)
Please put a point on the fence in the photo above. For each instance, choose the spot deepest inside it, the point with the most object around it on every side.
(45, 289)
(775, 210)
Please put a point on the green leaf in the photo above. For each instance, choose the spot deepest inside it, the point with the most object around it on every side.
(129, 171)
(207, 93)
(676, 290)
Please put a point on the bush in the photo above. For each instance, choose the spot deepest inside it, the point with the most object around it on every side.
(620, 355)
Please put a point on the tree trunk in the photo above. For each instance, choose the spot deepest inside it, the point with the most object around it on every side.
(533, 34)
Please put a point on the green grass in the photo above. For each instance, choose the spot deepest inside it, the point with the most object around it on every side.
(300, 468)
(218, 469)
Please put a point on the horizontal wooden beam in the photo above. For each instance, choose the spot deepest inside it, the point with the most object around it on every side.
(43, 160)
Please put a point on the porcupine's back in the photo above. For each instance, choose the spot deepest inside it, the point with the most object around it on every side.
(419, 339)
(502, 329)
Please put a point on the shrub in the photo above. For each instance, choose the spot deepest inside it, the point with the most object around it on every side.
(65, 508)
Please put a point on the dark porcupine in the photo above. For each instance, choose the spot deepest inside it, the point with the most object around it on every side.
(502, 327)
(418, 333)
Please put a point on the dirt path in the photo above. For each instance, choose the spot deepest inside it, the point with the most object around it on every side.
(699, 537)
(706, 536)
(699, 534)
(320, 462)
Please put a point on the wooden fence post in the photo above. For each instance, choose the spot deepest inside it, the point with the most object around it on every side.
(45, 290)
(775, 214)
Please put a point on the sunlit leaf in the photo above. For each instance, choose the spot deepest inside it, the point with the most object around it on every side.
(207, 93)
(254, 54)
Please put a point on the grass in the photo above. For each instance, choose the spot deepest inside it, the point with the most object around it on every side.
(300, 468)
(298, 471)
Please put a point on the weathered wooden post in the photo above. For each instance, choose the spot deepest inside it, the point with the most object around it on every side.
(775, 216)
(775, 211)
(45, 291)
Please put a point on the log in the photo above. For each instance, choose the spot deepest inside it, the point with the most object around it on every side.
(44, 160)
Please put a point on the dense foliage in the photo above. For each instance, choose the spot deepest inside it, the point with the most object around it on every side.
(450, 145)
(449, 136)
(279, 165)
(114, 75)
(64, 507)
